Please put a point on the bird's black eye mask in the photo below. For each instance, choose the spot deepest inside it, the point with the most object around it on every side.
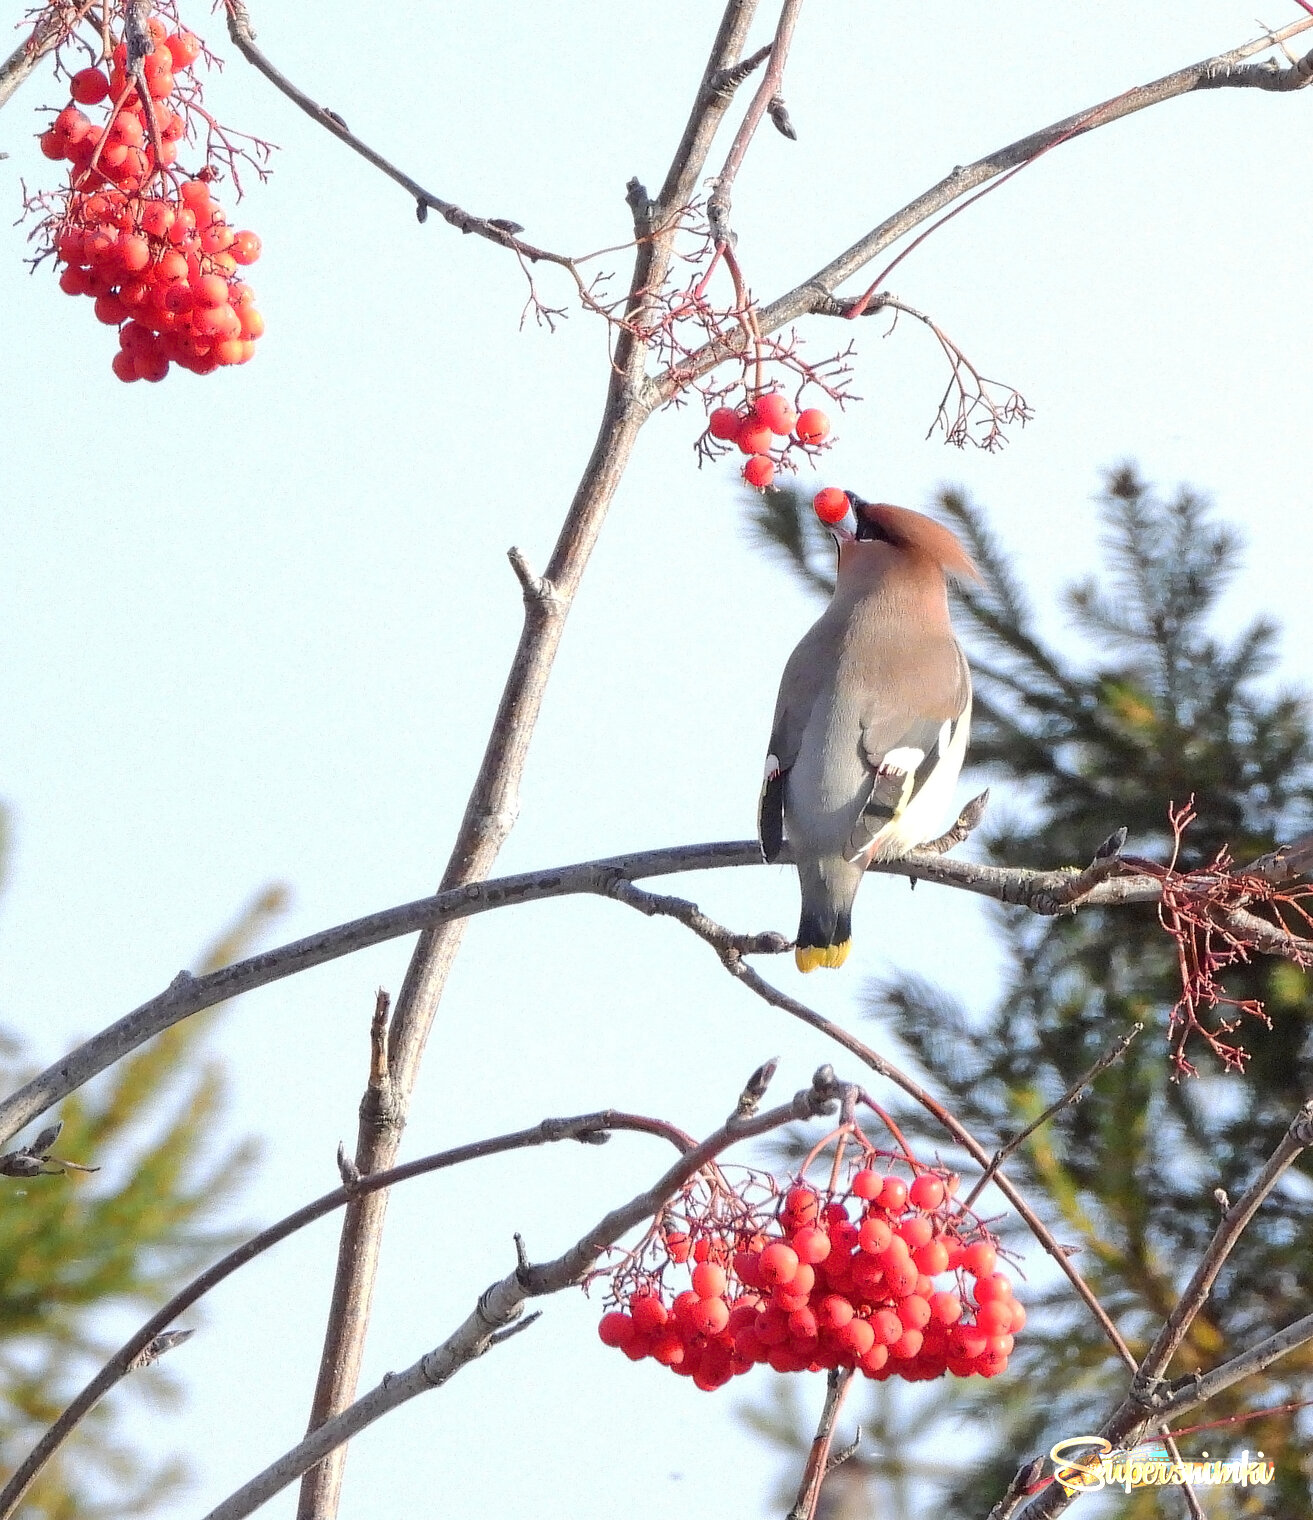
(867, 531)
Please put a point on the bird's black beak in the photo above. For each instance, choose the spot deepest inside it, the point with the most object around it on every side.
(845, 530)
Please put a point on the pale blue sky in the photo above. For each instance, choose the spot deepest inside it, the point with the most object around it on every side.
(254, 625)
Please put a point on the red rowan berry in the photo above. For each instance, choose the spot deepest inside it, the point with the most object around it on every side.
(88, 87)
(709, 1316)
(946, 1307)
(772, 1326)
(926, 1192)
(708, 1280)
(616, 1330)
(887, 1326)
(778, 1265)
(648, 1312)
(995, 1286)
(759, 471)
(872, 1362)
(668, 1348)
(184, 49)
(900, 1278)
(245, 247)
(801, 1203)
(893, 1195)
(874, 1235)
(812, 1244)
(907, 1345)
(979, 1258)
(931, 1258)
(152, 367)
(775, 412)
(753, 437)
(857, 1337)
(812, 425)
(802, 1325)
(866, 1183)
(916, 1231)
(724, 424)
(914, 1312)
(834, 1311)
(994, 1318)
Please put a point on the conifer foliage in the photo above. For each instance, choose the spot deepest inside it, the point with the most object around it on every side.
(123, 1211)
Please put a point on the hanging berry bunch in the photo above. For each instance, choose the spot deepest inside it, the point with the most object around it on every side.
(145, 241)
(884, 1275)
(755, 428)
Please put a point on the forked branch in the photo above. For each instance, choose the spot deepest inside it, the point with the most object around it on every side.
(502, 1303)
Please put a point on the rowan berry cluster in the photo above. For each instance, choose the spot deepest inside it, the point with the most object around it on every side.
(755, 427)
(151, 247)
(828, 1280)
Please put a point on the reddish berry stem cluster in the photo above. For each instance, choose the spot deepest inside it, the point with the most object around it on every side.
(150, 247)
(754, 429)
(834, 1280)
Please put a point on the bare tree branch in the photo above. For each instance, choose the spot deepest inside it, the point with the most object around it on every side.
(133, 1354)
(1193, 1391)
(1044, 892)
(50, 28)
(1294, 1142)
(1149, 1401)
(495, 229)
(494, 800)
(718, 207)
(502, 1304)
(817, 292)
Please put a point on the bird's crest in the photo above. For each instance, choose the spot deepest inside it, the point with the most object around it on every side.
(921, 535)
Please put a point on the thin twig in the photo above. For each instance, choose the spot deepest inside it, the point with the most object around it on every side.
(818, 1458)
(1072, 1095)
(721, 200)
(495, 229)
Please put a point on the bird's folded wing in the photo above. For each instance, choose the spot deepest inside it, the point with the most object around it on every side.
(903, 751)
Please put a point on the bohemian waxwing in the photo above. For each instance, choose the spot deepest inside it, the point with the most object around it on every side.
(872, 719)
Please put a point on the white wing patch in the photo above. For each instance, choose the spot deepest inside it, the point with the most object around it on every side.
(907, 758)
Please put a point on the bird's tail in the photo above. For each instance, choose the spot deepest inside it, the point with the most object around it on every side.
(808, 957)
(825, 928)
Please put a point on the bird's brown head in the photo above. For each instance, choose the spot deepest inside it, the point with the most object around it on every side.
(907, 532)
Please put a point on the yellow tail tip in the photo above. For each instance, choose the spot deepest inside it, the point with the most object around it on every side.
(808, 957)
